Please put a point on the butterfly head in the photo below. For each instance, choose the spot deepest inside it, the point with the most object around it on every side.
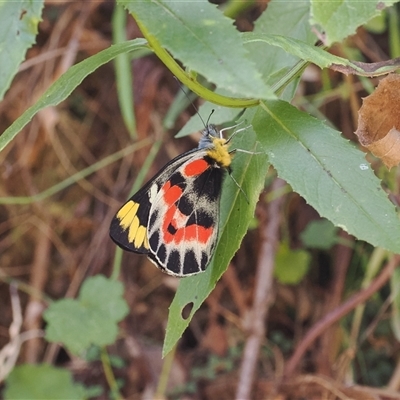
(209, 133)
(216, 146)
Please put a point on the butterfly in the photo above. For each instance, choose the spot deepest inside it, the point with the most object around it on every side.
(174, 218)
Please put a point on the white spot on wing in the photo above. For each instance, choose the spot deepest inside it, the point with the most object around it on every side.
(153, 193)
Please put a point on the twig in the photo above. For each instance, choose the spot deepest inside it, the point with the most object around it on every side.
(341, 263)
(10, 352)
(38, 278)
(262, 296)
(340, 312)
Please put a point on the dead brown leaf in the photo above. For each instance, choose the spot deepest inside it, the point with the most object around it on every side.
(379, 121)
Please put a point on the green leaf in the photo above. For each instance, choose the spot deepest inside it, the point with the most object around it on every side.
(204, 40)
(123, 72)
(91, 319)
(322, 58)
(236, 214)
(42, 382)
(321, 234)
(291, 265)
(328, 172)
(19, 21)
(298, 48)
(64, 86)
(340, 18)
(282, 18)
(276, 65)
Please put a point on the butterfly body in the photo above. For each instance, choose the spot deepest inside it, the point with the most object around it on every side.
(174, 218)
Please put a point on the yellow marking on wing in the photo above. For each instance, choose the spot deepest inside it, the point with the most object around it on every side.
(141, 237)
(137, 234)
(219, 152)
(146, 243)
(133, 229)
(127, 213)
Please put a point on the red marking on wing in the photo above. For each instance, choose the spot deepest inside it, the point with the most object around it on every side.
(171, 193)
(195, 167)
(192, 232)
(170, 218)
(197, 232)
(175, 219)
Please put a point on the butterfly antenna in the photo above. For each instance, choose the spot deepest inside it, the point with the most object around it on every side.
(209, 117)
(191, 102)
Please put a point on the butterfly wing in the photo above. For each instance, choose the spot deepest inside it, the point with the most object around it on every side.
(129, 226)
(183, 224)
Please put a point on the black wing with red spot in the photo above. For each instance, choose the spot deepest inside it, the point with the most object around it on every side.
(183, 224)
(174, 218)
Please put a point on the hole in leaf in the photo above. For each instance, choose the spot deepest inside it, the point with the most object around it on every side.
(187, 310)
